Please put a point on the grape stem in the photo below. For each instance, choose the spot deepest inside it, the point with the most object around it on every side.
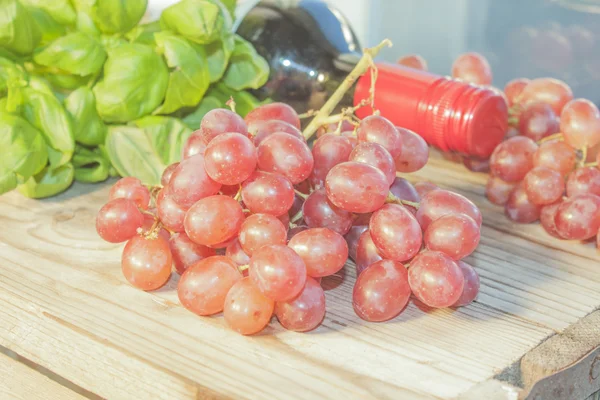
(297, 217)
(231, 103)
(584, 152)
(299, 193)
(242, 268)
(513, 121)
(366, 61)
(391, 199)
(556, 136)
(591, 164)
(238, 195)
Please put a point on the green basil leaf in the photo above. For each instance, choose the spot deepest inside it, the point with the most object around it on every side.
(84, 22)
(60, 10)
(144, 33)
(247, 69)
(88, 128)
(10, 73)
(47, 114)
(67, 81)
(48, 182)
(189, 77)
(167, 136)
(90, 165)
(135, 82)
(230, 5)
(49, 28)
(23, 151)
(18, 31)
(118, 16)
(110, 42)
(75, 53)
(201, 21)
(218, 54)
(40, 84)
(132, 154)
(209, 102)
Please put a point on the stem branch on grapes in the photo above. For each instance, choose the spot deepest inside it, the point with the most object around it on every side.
(391, 199)
(591, 164)
(363, 65)
(238, 195)
(556, 136)
(513, 121)
(308, 114)
(299, 193)
(231, 103)
(242, 268)
(297, 217)
(583, 159)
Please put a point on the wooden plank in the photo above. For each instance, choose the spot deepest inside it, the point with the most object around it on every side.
(64, 294)
(19, 382)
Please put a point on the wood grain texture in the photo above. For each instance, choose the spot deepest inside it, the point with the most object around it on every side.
(19, 382)
(67, 307)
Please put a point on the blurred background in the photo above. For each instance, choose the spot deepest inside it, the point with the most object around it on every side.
(520, 38)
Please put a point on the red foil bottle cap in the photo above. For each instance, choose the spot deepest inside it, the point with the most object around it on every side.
(448, 114)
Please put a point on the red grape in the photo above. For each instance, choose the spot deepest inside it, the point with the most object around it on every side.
(513, 158)
(476, 165)
(366, 252)
(403, 189)
(376, 129)
(230, 158)
(352, 238)
(357, 187)
(320, 213)
(190, 182)
(423, 188)
(537, 121)
(584, 180)
(396, 232)
(578, 217)
(544, 185)
(194, 145)
(219, 121)
(415, 152)
(519, 208)
(328, 151)
(278, 272)
(323, 251)
(413, 61)
(580, 124)
(185, 252)
(237, 254)
(346, 128)
(377, 156)
(131, 188)
(435, 279)
(381, 291)
(555, 155)
(286, 155)
(247, 310)
(268, 193)
(273, 111)
(118, 220)
(261, 130)
(513, 90)
(214, 220)
(497, 191)
(471, 286)
(472, 68)
(167, 173)
(170, 213)
(285, 220)
(204, 285)
(259, 230)
(306, 311)
(146, 262)
(296, 230)
(455, 235)
(438, 203)
(547, 90)
(548, 218)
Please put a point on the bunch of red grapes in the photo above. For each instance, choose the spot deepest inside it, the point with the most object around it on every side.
(540, 172)
(252, 218)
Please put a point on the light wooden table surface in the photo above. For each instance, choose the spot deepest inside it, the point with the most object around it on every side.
(65, 306)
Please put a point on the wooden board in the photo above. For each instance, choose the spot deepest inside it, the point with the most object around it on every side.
(66, 306)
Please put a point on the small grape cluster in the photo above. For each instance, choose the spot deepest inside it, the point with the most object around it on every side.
(252, 218)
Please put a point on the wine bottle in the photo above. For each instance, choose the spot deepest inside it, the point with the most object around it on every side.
(311, 48)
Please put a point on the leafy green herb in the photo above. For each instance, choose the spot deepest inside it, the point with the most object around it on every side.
(144, 33)
(167, 136)
(88, 128)
(202, 21)
(218, 54)
(23, 151)
(45, 112)
(60, 10)
(49, 28)
(18, 31)
(48, 182)
(134, 84)
(75, 53)
(117, 16)
(209, 102)
(91, 165)
(247, 69)
(189, 77)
